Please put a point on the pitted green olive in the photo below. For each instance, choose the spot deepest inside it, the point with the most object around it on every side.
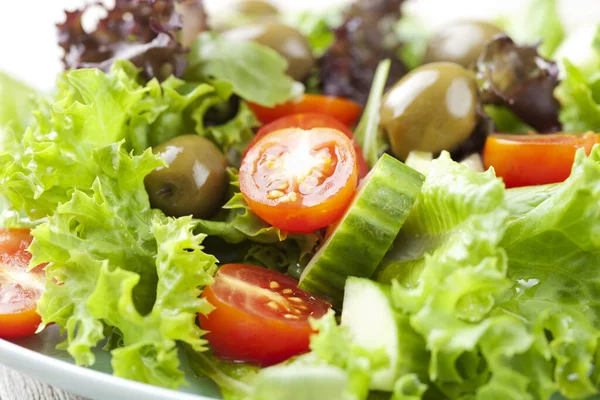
(461, 42)
(433, 108)
(284, 39)
(195, 181)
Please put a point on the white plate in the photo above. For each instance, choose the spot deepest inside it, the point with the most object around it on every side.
(37, 357)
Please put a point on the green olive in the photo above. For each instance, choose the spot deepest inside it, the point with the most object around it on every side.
(461, 42)
(432, 108)
(244, 12)
(255, 8)
(195, 181)
(285, 40)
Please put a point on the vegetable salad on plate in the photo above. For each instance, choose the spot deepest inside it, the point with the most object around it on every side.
(337, 205)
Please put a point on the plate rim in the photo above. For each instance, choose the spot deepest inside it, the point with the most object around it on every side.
(71, 377)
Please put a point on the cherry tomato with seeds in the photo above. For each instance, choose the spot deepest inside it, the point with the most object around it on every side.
(300, 180)
(260, 315)
(310, 121)
(524, 160)
(20, 288)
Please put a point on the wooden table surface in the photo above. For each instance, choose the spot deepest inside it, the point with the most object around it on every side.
(16, 386)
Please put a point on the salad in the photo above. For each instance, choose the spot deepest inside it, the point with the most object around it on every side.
(343, 205)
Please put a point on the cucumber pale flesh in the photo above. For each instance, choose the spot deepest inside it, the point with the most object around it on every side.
(366, 231)
(370, 318)
(324, 382)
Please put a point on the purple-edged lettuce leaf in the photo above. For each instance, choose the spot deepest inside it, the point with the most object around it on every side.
(366, 37)
(518, 78)
(141, 31)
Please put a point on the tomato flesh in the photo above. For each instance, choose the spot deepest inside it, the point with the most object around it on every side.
(344, 110)
(524, 160)
(310, 121)
(260, 316)
(19, 288)
(300, 180)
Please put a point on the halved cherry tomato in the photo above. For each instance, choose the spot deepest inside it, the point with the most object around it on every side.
(523, 160)
(260, 316)
(310, 121)
(19, 288)
(300, 180)
(344, 110)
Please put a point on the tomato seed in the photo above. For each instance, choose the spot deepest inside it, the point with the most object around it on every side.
(274, 285)
(275, 194)
(292, 196)
(305, 188)
(287, 291)
(273, 305)
(296, 299)
(290, 316)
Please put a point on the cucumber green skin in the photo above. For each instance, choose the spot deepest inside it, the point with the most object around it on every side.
(366, 231)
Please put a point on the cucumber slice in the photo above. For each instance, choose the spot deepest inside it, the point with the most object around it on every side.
(324, 382)
(419, 160)
(366, 231)
(370, 318)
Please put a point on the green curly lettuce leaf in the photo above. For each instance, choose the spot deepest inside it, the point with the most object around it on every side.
(409, 387)
(15, 103)
(501, 284)
(40, 168)
(580, 100)
(554, 260)
(117, 264)
(462, 196)
(452, 236)
(51, 159)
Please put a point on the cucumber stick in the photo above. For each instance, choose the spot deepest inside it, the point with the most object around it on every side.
(366, 231)
(370, 318)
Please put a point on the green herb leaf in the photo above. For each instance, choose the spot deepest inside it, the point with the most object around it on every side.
(539, 22)
(256, 72)
(367, 131)
(414, 35)
(316, 27)
(505, 120)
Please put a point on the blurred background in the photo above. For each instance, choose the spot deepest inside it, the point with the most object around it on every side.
(28, 48)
